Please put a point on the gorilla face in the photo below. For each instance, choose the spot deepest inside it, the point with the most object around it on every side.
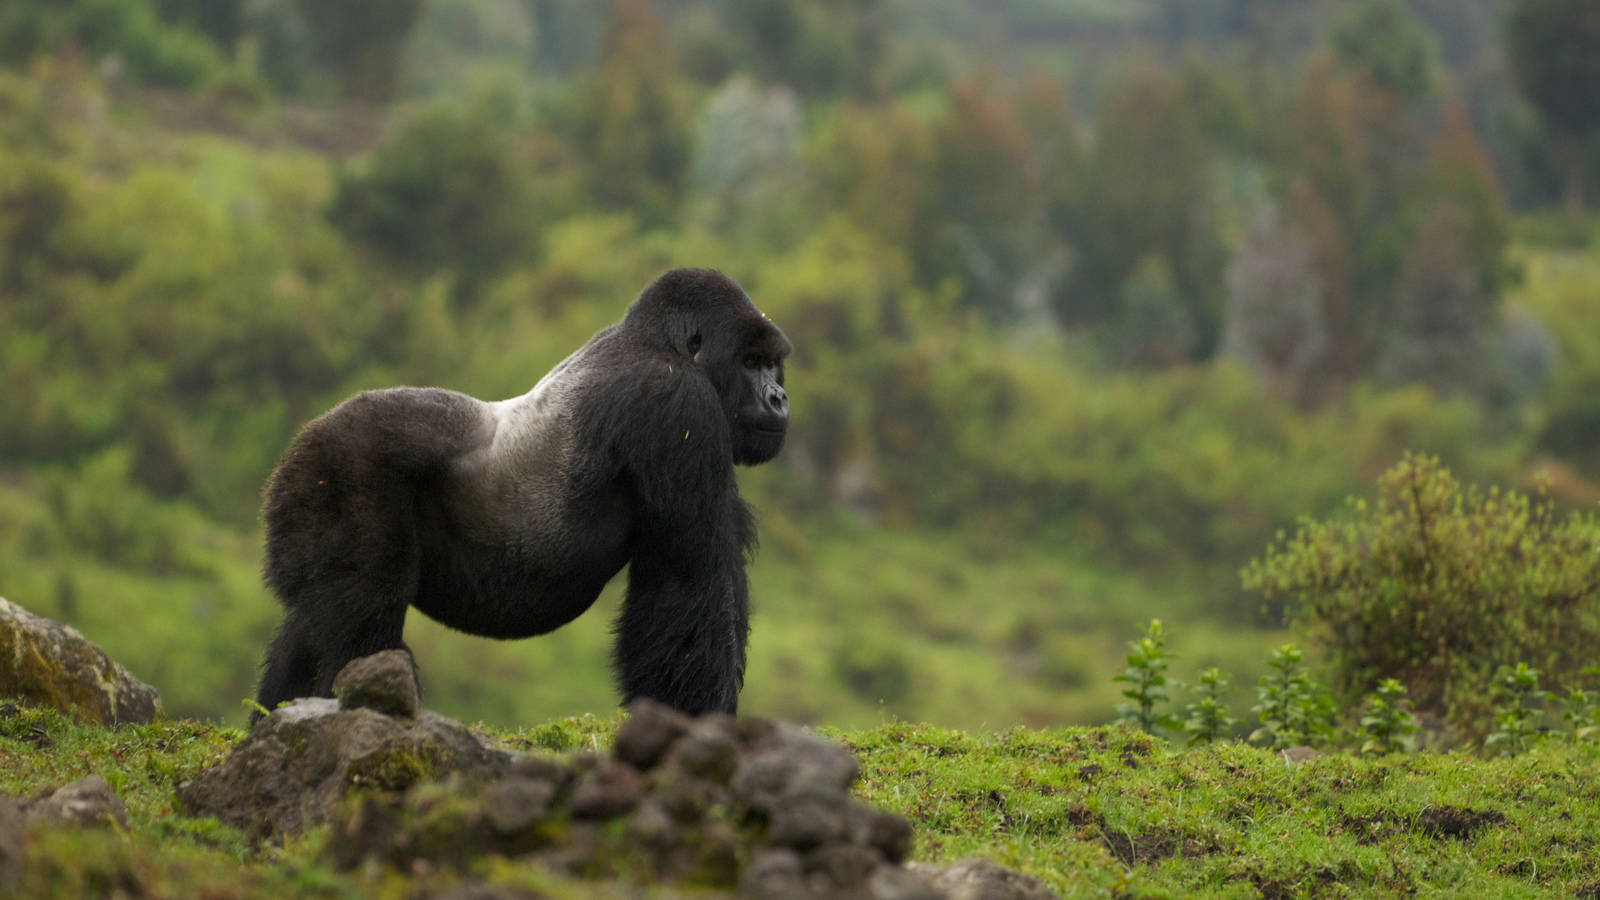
(743, 352)
(761, 418)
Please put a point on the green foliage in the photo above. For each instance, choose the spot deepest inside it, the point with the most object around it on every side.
(1385, 41)
(1144, 190)
(131, 32)
(1387, 725)
(1550, 46)
(1435, 585)
(332, 48)
(1580, 710)
(1208, 719)
(631, 120)
(1293, 709)
(447, 190)
(1518, 716)
(1146, 676)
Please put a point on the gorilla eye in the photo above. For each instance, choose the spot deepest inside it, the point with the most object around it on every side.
(694, 342)
(752, 362)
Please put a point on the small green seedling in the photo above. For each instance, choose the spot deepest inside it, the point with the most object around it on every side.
(1208, 718)
(1147, 676)
(1387, 724)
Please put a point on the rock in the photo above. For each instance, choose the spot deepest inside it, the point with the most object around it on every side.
(787, 760)
(651, 728)
(809, 819)
(778, 874)
(716, 802)
(88, 801)
(47, 663)
(976, 878)
(512, 805)
(385, 682)
(298, 763)
(709, 750)
(606, 791)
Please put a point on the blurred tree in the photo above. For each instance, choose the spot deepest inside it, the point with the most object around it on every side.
(348, 48)
(746, 177)
(1552, 45)
(1146, 188)
(1273, 321)
(631, 125)
(1441, 311)
(1151, 328)
(220, 20)
(871, 163)
(1346, 161)
(1386, 42)
(128, 35)
(982, 197)
(821, 48)
(566, 33)
(446, 190)
(459, 45)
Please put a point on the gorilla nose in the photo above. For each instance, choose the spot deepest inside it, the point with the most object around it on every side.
(777, 400)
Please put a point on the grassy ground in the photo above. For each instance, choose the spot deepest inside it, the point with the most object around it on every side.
(1094, 812)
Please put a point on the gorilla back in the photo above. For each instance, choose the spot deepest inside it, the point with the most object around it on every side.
(506, 519)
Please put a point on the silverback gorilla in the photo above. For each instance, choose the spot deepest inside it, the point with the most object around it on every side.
(506, 519)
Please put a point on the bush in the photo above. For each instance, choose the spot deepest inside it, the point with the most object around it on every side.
(446, 190)
(1436, 586)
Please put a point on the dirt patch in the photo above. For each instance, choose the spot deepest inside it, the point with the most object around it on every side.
(1148, 846)
(1589, 890)
(1455, 821)
(1374, 828)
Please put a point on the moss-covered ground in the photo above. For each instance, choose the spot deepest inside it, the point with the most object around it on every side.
(1094, 812)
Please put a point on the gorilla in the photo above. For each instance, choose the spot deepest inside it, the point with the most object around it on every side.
(505, 519)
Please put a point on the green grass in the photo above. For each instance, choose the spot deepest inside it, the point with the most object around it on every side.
(1094, 812)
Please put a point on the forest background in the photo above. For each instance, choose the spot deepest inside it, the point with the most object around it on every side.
(1090, 299)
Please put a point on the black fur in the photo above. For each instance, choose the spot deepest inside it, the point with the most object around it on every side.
(506, 519)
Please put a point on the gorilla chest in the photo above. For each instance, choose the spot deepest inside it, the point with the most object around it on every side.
(517, 550)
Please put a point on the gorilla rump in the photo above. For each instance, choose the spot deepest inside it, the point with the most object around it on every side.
(505, 519)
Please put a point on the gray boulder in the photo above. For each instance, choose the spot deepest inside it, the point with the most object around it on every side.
(46, 663)
(300, 761)
(86, 802)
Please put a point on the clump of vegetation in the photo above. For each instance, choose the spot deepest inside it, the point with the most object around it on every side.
(1517, 719)
(1436, 585)
(1580, 710)
(1387, 723)
(1293, 708)
(1208, 719)
(1146, 676)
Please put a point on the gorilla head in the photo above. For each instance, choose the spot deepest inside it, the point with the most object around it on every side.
(733, 343)
(506, 518)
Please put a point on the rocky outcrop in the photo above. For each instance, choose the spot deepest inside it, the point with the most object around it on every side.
(738, 804)
(46, 663)
(300, 761)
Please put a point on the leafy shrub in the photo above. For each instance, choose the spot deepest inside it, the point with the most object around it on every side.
(130, 31)
(1387, 723)
(1208, 718)
(1292, 708)
(446, 190)
(1436, 585)
(1146, 676)
(1518, 718)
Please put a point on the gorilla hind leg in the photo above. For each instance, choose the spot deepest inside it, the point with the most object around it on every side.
(289, 669)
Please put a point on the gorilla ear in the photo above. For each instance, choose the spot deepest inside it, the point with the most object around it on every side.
(694, 343)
